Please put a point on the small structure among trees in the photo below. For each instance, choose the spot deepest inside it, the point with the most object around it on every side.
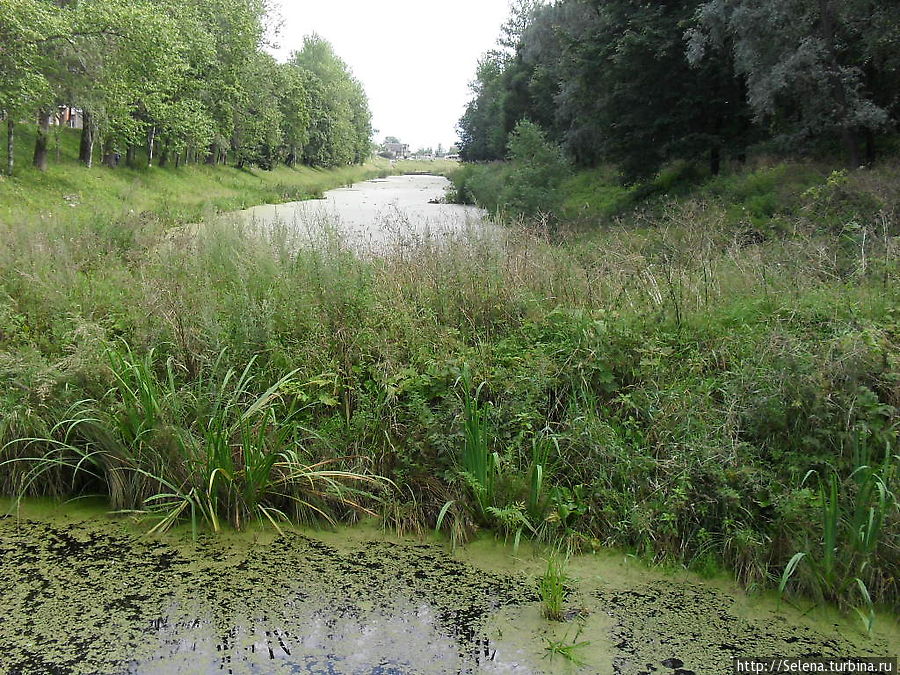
(392, 148)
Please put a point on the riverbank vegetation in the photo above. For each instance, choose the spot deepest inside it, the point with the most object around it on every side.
(699, 366)
(665, 385)
(158, 82)
(68, 191)
(607, 115)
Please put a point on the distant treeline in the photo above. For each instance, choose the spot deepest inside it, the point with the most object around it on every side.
(176, 81)
(641, 83)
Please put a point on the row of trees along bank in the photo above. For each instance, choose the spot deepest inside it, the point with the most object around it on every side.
(639, 84)
(176, 81)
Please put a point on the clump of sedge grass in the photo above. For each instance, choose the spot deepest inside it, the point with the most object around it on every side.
(211, 454)
(568, 650)
(552, 589)
(852, 531)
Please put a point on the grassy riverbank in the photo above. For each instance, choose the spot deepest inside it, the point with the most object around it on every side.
(69, 192)
(665, 384)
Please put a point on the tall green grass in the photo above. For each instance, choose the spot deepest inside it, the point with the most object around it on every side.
(553, 589)
(479, 465)
(662, 384)
(213, 450)
(853, 519)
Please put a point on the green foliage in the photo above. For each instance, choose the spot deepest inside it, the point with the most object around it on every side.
(853, 516)
(340, 127)
(553, 589)
(213, 450)
(480, 184)
(810, 66)
(482, 130)
(182, 81)
(528, 186)
(582, 74)
(673, 378)
(538, 169)
(738, 75)
(478, 463)
(569, 650)
(539, 474)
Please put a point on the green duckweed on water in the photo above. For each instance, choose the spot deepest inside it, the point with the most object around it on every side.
(81, 592)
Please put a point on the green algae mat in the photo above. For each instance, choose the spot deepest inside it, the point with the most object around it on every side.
(83, 593)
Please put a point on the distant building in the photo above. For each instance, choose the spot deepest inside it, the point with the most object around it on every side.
(67, 116)
(396, 150)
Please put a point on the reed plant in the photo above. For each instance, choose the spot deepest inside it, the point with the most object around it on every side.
(853, 517)
(553, 589)
(213, 452)
(478, 464)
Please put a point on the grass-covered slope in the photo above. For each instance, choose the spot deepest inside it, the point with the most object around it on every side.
(69, 191)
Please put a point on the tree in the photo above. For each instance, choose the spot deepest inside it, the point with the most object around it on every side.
(482, 128)
(258, 119)
(630, 95)
(25, 25)
(811, 65)
(538, 169)
(341, 123)
(182, 77)
(294, 101)
(609, 79)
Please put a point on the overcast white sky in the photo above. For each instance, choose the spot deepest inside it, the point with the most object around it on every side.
(415, 58)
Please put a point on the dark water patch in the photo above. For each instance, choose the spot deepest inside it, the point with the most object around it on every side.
(681, 628)
(88, 597)
(93, 596)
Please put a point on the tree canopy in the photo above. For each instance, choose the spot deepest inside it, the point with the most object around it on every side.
(185, 79)
(639, 84)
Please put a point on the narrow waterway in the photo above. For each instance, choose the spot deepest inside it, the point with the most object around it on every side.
(374, 214)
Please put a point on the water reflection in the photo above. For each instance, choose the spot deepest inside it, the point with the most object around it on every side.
(374, 214)
(91, 598)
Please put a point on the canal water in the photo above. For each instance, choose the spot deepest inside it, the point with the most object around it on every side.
(373, 215)
(86, 592)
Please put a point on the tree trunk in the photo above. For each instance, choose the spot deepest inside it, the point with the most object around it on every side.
(41, 143)
(10, 144)
(130, 156)
(212, 157)
(848, 135)
(163, 155)
(851, 146)
(177, 160)
(86, 149)
(109, 153)
(870, 147)
(151, 139)
(715, 160)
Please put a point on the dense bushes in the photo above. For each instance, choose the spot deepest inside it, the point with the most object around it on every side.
(527, 186)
